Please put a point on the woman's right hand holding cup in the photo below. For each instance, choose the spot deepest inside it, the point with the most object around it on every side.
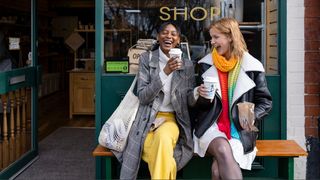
(203, 91)
(173, 64)
(208, 88)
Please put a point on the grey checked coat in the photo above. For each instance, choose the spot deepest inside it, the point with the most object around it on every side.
(151, 96)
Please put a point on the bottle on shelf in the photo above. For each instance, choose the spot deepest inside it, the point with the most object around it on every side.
(231, 8)
(230, 11)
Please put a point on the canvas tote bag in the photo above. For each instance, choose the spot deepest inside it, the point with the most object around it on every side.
(114, 132)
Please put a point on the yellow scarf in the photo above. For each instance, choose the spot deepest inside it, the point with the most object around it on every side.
(221, 63)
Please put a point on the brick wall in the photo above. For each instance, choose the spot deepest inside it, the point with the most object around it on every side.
(312, 66)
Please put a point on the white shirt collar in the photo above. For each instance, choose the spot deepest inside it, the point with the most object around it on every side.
(163, 57)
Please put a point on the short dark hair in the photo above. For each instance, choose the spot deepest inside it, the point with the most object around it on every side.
(161, 28)
(165, 24)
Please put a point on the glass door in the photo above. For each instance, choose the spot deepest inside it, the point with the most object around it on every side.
(19, 78)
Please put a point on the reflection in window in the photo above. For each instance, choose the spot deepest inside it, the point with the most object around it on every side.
(143, 18)
(129, 21)
(15, 35)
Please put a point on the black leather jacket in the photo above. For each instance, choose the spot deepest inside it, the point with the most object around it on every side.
(208, 112)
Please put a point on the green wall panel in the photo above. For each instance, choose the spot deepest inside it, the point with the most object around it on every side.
(113, 89)
(272, 123)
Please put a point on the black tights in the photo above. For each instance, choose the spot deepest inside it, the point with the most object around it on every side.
(224, 165)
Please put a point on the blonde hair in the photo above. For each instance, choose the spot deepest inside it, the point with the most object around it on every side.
(230, 27)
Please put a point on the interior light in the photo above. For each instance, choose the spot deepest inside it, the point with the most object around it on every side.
(133, 11)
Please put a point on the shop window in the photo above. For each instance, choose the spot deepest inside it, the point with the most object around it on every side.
(128, 21)
(15, 34)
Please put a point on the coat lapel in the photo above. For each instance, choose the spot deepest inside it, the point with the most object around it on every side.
(243, 85)
(244, 82)
(154, 63)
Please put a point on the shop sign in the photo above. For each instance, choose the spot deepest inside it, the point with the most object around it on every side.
(193, 13)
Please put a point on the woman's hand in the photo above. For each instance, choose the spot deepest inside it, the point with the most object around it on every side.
(203, 91)
(172, 65)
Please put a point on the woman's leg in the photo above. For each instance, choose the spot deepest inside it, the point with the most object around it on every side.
(158, 150)
(227, 165)
(215, 170)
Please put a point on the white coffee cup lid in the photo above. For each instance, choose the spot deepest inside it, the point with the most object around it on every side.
(175, 51)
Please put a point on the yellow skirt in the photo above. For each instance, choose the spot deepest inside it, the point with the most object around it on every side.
(159, 147)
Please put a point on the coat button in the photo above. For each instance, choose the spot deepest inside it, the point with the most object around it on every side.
(138, 133)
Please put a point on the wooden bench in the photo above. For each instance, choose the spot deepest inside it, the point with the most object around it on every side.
(266, 148)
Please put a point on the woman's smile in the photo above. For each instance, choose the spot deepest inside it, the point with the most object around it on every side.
(168, 38)
(221, 42)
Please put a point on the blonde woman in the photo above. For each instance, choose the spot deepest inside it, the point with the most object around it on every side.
(239, 78)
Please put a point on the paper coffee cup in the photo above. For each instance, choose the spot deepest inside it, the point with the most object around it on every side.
(210, 83)
(175, 52)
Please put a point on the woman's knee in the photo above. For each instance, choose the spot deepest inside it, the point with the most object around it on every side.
(221, 148)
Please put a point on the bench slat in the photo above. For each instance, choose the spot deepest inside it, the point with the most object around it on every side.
(101, 151)
(275, 148)
(279, 148)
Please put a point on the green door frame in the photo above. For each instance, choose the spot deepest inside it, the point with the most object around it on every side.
(282, 52)
(99, 44)
(32, 79)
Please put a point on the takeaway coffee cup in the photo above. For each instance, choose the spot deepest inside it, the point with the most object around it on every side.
(176, 53)
(210, 84)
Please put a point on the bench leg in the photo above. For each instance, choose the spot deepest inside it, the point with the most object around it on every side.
(108, 168)
(290, 168)
(286, 168)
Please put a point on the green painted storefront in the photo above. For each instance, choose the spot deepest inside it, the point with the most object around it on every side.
(110, 88)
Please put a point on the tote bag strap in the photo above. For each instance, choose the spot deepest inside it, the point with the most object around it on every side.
(133, 84)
